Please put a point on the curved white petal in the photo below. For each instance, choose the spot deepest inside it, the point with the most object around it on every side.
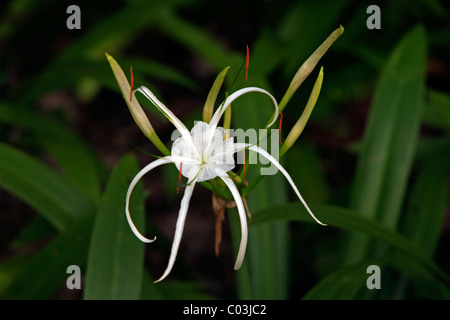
(265, 154)
(242, 216)
(133, 183)
(167, 113)
(239, 146)
(179, 227)
(219, 112)
(186, 148)
(161, 107)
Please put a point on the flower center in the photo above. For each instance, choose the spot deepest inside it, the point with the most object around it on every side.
(212, 153)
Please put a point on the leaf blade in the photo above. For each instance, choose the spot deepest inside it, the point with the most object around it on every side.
(390, 140)
(42, 188)
(115, 260)
(350, 220)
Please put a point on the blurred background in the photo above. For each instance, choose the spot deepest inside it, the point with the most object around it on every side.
(64, 128)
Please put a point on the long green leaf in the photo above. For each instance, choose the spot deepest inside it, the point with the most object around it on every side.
(438, 110)
(42, 188)
(10, 269)
(108, 35)
(350, 282)
(79, 163)
(47, 271)
(268, 248)
(196, 40)
(424, 222)
(68, 74)
(350, 220)
(426, 210)
(343, 284)
(243, 280)
(148, 68)
(115, 262)
(390, 139)
(303, 164)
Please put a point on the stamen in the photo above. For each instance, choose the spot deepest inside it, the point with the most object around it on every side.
(279, 127)
(132, 82)
(179, 177)
(248, 211)
(246, 64)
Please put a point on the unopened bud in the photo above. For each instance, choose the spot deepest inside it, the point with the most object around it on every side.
(212, 95)
(300, 125)
(135, 108)
(308, 66)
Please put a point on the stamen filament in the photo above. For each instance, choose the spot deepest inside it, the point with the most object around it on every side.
(279, 127)
(246, 63)
(132, 82)
(243, 170)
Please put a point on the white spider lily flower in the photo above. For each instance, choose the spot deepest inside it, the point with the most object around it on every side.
(203, 154)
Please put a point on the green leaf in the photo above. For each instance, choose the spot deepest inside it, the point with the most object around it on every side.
(343, 284)
(412, 278)
(79, 163)
(115, 262)
(71, 73)
(109, 34)
(390, 139)
(172, 290)
(177, 290)
(350, 282)
(430, 148)
(148, 68)
(42, 188)
(47, 271)
(37, 230)
(303, 164)
(438, 110)
(10, 269)
(424, 222)
(350, 220)
(243, 280)
(197, 41)
(268, 248)
(149, 290)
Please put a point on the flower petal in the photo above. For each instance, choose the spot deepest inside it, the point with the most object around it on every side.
(265, 154)
(133, 183)
(242, 216)
(219, 112)
(169, 114)
(161, 107)
(179, 227)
